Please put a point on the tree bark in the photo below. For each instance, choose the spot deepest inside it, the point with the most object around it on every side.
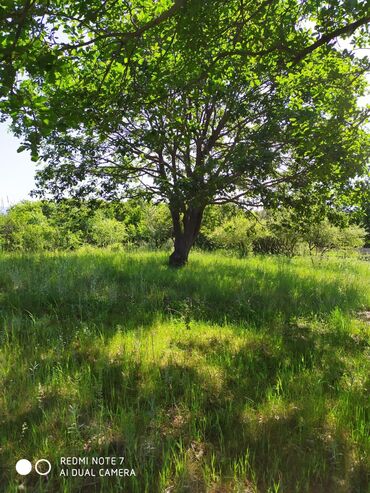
(185, 233)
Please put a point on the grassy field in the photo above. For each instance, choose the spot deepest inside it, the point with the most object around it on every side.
(230, 375)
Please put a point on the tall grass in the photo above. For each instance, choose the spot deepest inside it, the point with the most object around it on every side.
(226, 376)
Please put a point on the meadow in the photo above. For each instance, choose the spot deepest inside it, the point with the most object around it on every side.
(229, 375)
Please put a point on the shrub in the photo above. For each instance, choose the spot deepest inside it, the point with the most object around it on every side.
(283, 232)
(25, 228)
(105, 231)
(237, 233)
(323, 236)
(352, 237)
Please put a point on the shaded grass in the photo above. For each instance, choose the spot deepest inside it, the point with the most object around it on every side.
(228, 375)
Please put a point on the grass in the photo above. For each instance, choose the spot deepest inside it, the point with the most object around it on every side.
(226, 376)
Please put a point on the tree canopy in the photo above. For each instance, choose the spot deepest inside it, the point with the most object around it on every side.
(193, 102)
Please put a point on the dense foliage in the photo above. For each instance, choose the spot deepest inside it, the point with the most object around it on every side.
(192, 102)
(43, 225)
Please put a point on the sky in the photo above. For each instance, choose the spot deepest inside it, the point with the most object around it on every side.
(17, 170)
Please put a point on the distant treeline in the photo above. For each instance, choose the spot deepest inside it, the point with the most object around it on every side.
(68, 225)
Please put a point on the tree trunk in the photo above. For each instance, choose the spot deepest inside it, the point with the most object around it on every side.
(185, 234)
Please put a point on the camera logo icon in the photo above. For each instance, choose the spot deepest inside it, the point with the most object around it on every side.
(24, 467)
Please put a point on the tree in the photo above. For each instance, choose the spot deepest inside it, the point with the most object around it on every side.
(285, 231)
(25, 228)
(193, 103)
(363, 210)
(156, 225)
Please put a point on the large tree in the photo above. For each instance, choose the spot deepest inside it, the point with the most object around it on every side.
(194, 102)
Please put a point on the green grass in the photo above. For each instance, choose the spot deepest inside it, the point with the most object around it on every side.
(226, 376)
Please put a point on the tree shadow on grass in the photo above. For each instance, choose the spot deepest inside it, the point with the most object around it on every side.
(217, 403)
(274, 402)
(270, 399)
(287, 434)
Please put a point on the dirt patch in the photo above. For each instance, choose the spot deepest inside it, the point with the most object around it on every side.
(364, 316)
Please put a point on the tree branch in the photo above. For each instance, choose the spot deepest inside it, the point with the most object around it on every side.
(123, 37)
(326, 38)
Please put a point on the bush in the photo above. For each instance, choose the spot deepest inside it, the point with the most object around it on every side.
(237, 233)
(105, 231)
(267, 244)
(25, 228)
(352, 237)
(282, 234)
(323, 236)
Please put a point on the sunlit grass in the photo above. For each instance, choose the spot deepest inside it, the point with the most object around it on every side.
(227, 376)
